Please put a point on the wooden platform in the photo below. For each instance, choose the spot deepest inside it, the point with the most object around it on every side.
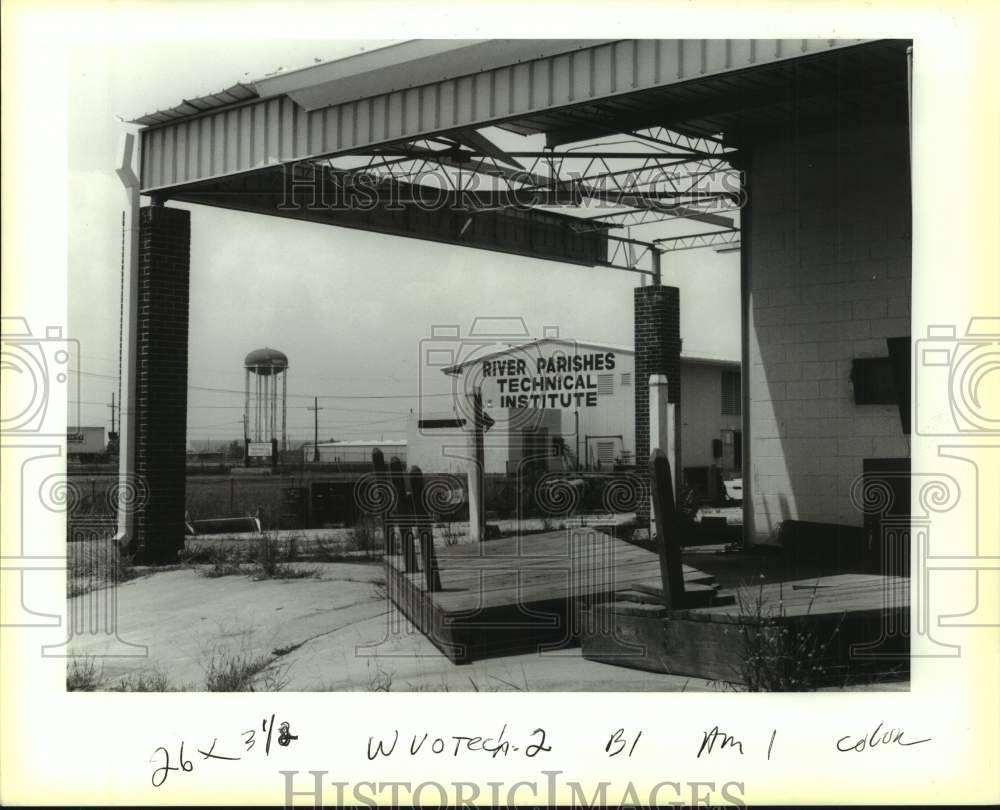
(525, 594)
(846, 624)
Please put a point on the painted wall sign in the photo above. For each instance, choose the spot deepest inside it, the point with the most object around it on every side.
(548, 382)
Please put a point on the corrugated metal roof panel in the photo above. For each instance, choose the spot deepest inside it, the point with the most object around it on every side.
(236, 94)
(182, 147)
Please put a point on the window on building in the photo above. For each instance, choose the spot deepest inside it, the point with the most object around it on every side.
(627, 378)
(731, 399)
(605, 383)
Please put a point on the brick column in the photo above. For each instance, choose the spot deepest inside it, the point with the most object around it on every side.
(657, 351)
(161, 380)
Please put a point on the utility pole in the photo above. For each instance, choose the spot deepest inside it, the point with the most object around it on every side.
(315, 409)
(113, 435)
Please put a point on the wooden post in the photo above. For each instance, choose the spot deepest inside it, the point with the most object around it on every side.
(382, 478)
(424, 529)
(477, 469)
(403, 507)
(662, 496)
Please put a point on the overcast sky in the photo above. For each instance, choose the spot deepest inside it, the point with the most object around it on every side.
(349, 308)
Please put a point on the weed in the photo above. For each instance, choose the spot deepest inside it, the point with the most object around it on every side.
(780, 654)
(232, 672)
(96, 564)
(273, 679)
(450, 534)
(365, 536)
(328, 549)
(143, 681)
(380, 680)
(265, 560)
(82, 675)
(285, 571)
(266, 554)
(224, 558)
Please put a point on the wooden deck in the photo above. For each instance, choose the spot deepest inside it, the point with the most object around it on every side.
(845, 625)
(631, 607)
(525, 594)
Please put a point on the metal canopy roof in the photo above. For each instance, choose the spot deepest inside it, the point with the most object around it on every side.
(238, 137)
(239, 92)
(389, 118)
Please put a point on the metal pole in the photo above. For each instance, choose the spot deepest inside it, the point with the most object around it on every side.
(246, 406)
(126, 439)
(284, 411)
(256, 406)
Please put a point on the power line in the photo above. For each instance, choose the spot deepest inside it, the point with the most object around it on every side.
(300, 396)
(232, 373)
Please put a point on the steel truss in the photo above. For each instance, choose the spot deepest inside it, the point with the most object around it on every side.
(620, 182)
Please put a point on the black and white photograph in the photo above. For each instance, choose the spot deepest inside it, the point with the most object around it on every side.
(532, 365)
(495, 365)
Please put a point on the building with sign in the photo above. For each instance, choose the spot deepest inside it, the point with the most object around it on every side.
(85, 441)
(566, 404)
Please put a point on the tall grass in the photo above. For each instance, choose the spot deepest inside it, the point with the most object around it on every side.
(82, 675)
(781, 653)
(95, 564)
(242, 671)
(263, 558)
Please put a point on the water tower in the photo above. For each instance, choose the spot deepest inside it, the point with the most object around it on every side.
(265, 417)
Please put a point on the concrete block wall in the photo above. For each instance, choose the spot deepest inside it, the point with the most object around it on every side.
(657, 351)
(161, 396)
(829, 281)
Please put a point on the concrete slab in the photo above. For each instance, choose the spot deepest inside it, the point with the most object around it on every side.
(336, 631)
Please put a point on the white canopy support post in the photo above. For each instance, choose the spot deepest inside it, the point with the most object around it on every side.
(662, 433)
(127, 425)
